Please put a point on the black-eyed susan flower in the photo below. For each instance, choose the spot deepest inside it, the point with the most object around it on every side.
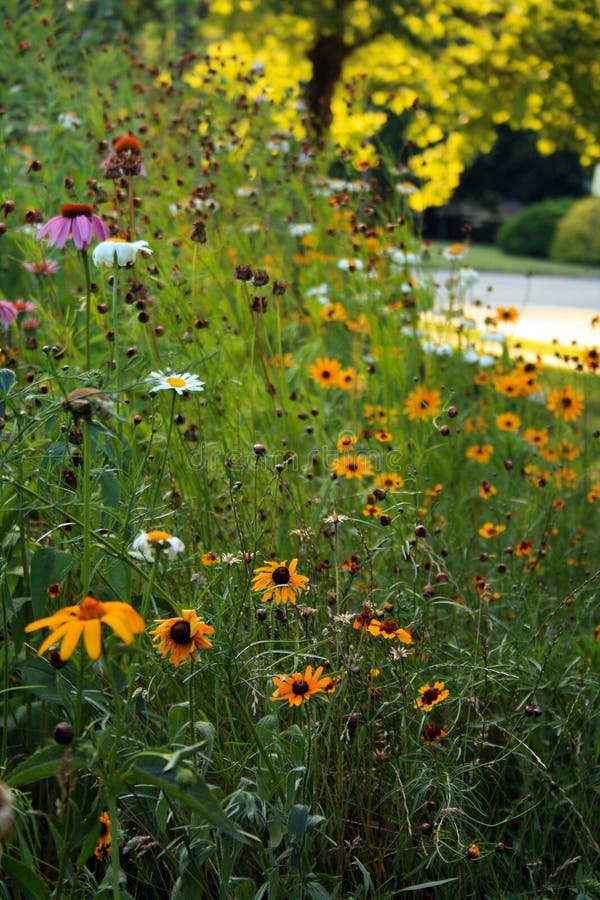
(388, 628)
(490, 530)
(279, 581)
(486, 490)
(506, 314)
(389, 481)
(210, 559)
(565, 404)
(180, 637)
(299, 687)
(371, 509)
(352, 466)
(524, 548)
(325, 371)
(431, 734)
(481, 453)
(147, 543)
(383, 436)
(537, 437)
(104, 842)
(508, 422)
(345, 442)
(430, 696)
(68, 624)
(422, 403)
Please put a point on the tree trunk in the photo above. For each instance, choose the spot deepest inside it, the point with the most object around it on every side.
(326, 57)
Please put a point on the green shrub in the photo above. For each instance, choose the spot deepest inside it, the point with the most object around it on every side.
(530, 232)
(577, 236)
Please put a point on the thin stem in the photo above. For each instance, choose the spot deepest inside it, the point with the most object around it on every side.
(88, 302)
(115, 318)
(166, 453)
(149, 586)
(192, 707)
(131, 230)
(114, 856)
(86, 427)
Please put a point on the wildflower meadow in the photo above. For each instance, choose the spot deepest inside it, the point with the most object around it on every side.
(298, 548)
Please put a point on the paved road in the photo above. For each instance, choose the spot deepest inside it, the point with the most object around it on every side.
(550, 307)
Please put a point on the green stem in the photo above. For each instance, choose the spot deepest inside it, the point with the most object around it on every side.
(114, 856)
(149, 586)
(131, 234)
(88, 303)
(115, 318)
(165, 455)
(77, 718)
(6, 679)
(86, 427)
(192, 707)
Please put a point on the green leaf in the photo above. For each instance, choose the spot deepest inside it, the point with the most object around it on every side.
(25, 879)
(7, 380)
(186, 787)
(42, 764)
(425, 885)
(297, 822)
(47, 566)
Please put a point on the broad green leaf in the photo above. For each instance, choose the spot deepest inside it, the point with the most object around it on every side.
(47, 566)
(25, 879)
(42, 764)
(7, 381)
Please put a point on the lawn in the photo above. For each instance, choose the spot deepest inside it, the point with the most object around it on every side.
(488, 258)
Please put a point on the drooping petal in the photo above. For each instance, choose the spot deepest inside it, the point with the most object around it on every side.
(100, 229)
(54, 637)
(82, 232)
(119, 626)
(48, 227)
(63, 615)
(60, 234)
(92, 638)
(72, 634)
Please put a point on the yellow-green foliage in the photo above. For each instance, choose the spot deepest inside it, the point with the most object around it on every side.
(577, 236)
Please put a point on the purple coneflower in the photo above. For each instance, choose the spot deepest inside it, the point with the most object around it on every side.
(8, 314)
(43, 268)
(76, 221)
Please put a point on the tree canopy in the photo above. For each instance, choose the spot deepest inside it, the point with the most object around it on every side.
(452, 70)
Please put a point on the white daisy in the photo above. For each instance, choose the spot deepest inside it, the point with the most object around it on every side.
(350, 265)
(125, 252)
(299, 229)
(406, 188)
(165, 381)
(147, 543)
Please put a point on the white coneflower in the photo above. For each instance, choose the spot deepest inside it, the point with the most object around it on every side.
(124, 252)
(146, 544)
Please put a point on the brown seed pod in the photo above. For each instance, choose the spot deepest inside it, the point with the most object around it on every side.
(85, 402)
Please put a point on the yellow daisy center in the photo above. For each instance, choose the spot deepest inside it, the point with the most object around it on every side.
(175, 381)
(158, 536)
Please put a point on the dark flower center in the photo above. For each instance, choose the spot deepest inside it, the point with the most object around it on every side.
(325, 373)
(430, 696)
(300, 687)
(103, 829)
(281, 575)
(389, 626)
(566, 402)
(181, 632)
(72, 210)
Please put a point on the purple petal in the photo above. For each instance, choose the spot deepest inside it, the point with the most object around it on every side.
(82, 232)
(48, 227)
(100, 229)
(60, 232)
